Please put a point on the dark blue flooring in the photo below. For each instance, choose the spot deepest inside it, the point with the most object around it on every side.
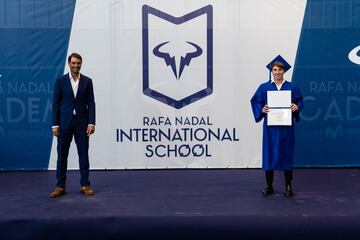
(181, 204)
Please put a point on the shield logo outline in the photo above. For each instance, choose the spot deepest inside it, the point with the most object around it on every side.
(178, 104)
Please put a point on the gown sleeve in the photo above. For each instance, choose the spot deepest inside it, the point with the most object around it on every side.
(257, 104)
(298, 100)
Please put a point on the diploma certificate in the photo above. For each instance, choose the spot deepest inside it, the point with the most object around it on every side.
(279, 108)
(279, 99)
(279, 117)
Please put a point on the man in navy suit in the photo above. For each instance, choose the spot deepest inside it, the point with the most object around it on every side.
(73, 116)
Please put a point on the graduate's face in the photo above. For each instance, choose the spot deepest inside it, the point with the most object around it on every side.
(278, 73)
(75, 65)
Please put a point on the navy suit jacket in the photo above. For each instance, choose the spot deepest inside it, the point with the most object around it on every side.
(64, 101)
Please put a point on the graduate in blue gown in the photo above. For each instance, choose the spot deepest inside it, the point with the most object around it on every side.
(278, 141)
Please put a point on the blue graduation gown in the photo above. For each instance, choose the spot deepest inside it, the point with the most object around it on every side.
(278, 141)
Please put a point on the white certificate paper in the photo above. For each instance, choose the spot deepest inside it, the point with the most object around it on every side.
(279, 117)
(279, 108)
(279, 99)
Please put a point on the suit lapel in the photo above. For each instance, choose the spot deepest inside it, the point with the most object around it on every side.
(68, 85)
(80, 87)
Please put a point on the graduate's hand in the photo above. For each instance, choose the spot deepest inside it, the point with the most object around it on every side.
(294, 107)
(265, 109)
(55, 131)
(90, 130)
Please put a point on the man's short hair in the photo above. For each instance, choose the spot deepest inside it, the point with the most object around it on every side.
(74, 55)
(278, 64)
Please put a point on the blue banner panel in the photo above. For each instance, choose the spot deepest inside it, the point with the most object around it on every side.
(34, 37)
(327, 70)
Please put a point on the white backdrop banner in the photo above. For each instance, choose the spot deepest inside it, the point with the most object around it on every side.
(173, 79)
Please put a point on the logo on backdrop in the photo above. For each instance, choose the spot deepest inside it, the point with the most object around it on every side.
(177, 71)
(171, 60)
(334, 100)
(177, 56)
(353, 55)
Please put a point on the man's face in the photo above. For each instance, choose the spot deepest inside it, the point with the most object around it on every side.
(75, 65)
(278, 73)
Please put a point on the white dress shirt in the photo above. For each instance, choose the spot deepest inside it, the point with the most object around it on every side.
(278, 86)
(75, 86)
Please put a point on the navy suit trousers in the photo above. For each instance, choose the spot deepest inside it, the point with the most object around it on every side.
(76, 129)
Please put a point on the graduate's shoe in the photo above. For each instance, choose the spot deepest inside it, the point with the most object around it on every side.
(267, 191)
(288, 191)
(87, 190)
(57, 192)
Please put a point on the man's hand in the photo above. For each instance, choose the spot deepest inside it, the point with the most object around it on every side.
(294, 107)
(265, 109)
(56, 131)
(90, 130)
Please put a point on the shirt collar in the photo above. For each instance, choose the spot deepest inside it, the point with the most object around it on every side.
(71, 78)
(272, 81)
(278, 86)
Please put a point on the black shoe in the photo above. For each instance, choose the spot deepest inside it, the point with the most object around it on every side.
(288, 191)
(267, 191)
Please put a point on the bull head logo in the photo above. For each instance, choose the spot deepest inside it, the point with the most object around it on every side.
(184, 61)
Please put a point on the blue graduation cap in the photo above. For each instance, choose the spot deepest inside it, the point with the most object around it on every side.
(279, 58)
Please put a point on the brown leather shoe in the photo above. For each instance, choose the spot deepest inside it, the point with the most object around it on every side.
(57, 192)
(87, 190)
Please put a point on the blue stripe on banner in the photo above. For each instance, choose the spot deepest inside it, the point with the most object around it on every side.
(330, 128)
(34, 37)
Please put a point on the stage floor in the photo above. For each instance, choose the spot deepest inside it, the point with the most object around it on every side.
(179, 204)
